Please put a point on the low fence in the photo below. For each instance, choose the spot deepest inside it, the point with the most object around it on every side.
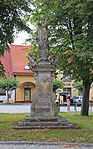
(74, 108)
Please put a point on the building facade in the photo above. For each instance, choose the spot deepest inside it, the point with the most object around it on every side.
(15, 62)
(68, 86)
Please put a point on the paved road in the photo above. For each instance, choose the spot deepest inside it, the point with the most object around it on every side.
(15, 108)
(40, 145)
(25, 108)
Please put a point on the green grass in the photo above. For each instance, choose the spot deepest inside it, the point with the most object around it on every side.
(84, 135)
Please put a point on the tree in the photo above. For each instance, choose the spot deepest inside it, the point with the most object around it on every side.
(1, 69)
(79, 86)
(8, 84)
(57, 84)
(12, 17)
(71, 38)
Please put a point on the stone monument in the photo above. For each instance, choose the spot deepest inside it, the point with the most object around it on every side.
(42, 101)
(43, 108)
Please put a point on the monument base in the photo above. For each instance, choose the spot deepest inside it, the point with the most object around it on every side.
(45, 123)
(44, 111)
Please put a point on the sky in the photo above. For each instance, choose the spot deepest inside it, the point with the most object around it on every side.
(20, 38)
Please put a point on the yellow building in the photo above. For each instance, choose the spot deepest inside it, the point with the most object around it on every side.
(16, 64)
(68, 86)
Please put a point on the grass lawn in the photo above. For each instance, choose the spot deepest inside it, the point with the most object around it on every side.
(84, 135)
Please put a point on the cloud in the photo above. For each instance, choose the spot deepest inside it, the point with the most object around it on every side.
(20, 38)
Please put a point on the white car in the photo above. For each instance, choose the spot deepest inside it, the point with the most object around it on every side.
(77, 100)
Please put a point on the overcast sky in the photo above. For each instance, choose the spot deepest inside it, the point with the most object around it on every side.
(20, 38)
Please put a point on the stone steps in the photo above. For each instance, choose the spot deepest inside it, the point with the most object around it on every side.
(45, 123)
(46, 127)
(40, 119)
(44, 119)
(42, 123)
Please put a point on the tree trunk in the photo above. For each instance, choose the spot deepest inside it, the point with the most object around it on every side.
(7, 97)
(85, 102)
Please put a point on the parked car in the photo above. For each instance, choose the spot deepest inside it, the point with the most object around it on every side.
(77, 100)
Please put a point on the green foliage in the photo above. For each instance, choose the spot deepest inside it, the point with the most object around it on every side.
(34, 50)
(1, 69)
(8, 83)
(70, 36)
(70, 30)
(12, 16)
(57, 84)
(78, 85)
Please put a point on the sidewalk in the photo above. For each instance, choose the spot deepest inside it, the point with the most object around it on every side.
(43, 145)
(26, 108)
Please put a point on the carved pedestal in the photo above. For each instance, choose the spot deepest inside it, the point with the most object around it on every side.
(42, 102)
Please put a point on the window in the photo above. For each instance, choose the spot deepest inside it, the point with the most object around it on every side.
(27, 67)
(27, 94)
(68, 90)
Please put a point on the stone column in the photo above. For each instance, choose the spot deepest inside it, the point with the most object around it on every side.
(42, 102)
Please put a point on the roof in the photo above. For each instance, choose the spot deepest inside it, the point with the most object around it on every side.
(15, 59)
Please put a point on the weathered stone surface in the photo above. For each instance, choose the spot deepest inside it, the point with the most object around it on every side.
(42, 104)
(47, 122)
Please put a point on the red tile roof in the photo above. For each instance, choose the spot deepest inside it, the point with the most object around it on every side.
(14, 61)
(6, 61)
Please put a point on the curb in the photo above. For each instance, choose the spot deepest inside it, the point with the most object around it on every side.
(44, 143)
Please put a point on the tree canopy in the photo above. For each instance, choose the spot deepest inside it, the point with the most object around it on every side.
(12, 17)
(71, 38)
(57, 84)
(70, 34)
(78, 85)
(8, 84)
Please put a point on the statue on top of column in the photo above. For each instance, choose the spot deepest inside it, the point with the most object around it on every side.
(42, 39)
